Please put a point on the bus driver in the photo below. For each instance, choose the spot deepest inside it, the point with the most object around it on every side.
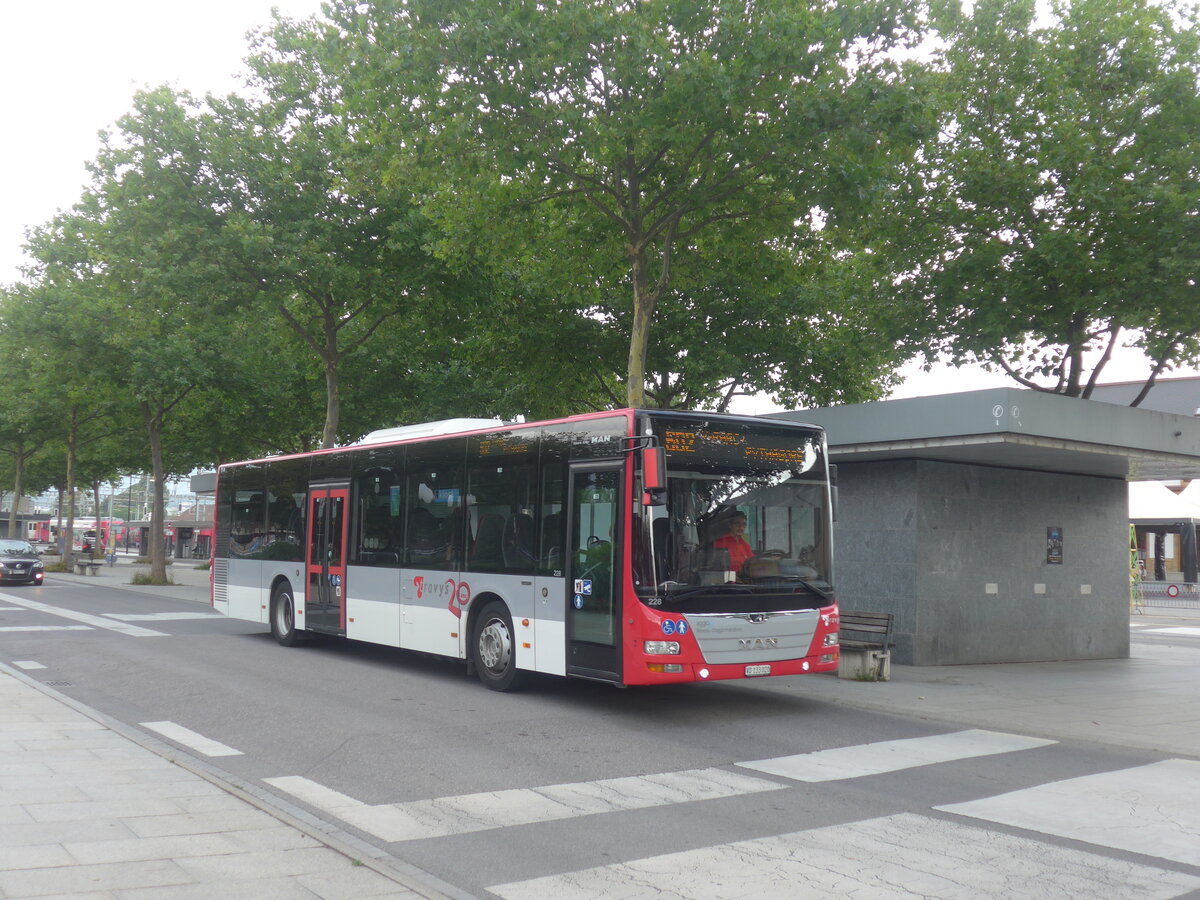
(735, 541)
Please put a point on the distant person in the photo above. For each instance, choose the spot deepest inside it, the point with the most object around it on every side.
(735, 542)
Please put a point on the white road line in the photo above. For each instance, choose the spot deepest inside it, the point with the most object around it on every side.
(892, 756)
(523, 806)
(905, 855)
(191, 739)
(12, 609)
(7, 628)
(1181, 629)
(86, 618)
(314, 794)
(27, 664)
(161, 617)
(1153, 810)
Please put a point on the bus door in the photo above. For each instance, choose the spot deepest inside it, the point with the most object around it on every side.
(325, 597)
(593, 586)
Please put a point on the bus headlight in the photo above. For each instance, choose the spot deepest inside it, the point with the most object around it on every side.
(831, 639)
(661, 648)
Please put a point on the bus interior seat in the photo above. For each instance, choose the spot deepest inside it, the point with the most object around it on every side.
(487, 549)
(552, 540)
(425, 539)
(518, 542)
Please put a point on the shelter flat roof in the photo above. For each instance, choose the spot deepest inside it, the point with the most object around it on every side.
(1153, 502)
(1015, 428)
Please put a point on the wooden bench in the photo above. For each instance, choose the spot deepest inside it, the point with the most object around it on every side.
(866, 645)
(84, 565)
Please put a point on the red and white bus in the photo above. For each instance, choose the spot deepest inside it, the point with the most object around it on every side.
(633, 547)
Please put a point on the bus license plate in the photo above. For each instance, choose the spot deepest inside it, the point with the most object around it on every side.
(751, 671)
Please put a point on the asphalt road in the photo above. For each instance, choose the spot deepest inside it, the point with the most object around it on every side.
(560, 789)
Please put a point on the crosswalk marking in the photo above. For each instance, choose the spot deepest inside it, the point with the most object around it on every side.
(85, 618)
(891, 756)
(467, 813)
(314, 794)
(27, 664)
(1180, 629)
(162, 616)
(904, 855)
(7, 628)
(191, 739)
(1151, 809)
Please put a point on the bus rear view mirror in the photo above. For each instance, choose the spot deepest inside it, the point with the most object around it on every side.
(654, 476)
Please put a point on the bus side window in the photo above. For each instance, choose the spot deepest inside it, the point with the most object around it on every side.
(550, 548)
(379, 518)
(433, 506)
(500, 499)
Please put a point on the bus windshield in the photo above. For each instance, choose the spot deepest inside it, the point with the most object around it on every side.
(745, 525)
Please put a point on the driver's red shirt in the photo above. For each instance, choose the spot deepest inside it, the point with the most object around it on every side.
(738, 547)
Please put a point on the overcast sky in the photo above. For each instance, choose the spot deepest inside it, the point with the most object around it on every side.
(70, 69)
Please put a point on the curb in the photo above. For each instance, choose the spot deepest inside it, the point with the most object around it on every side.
(406, 875)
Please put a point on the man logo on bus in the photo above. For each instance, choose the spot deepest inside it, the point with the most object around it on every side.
(758, 644)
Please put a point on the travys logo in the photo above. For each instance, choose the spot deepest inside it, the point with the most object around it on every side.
(457, 594)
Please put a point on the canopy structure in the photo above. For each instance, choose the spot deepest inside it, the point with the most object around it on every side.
(1158, 510)
(994, 525)
(1152, 502)
(1191, 494)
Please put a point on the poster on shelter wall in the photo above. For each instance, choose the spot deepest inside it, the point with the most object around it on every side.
(1054, 545)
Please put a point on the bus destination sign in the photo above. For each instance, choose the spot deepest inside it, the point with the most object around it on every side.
(751, 449)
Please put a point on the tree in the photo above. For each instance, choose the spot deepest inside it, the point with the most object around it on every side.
(24, 426)
(1058, 211)
(334, 257)
(61, 339)
(134, 267)
(612, 137)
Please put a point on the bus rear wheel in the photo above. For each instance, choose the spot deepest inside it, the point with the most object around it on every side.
(493, 648)
(283, 615)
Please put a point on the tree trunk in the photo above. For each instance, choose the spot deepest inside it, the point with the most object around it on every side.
(332, 403)
(18, 478)
(99, 545)
(639, 333)
(58, 519)
(155, 550)
(68, 535)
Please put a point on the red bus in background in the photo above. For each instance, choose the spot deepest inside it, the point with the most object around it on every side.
(633, 547)
(88, 535)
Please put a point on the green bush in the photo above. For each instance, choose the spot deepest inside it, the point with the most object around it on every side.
(147, 578)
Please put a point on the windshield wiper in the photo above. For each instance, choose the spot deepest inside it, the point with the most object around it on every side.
(813, 587)
(705, 588)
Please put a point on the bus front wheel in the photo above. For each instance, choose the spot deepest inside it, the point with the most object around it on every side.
(283, 615)
(493, 648)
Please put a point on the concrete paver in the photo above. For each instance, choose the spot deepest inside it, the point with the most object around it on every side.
(89, 810)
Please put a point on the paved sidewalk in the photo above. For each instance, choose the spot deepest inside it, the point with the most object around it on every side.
(91, 813)
(190, 577)
(1150, 701)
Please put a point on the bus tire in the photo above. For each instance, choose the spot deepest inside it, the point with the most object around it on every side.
(283, 615)
(493, 648)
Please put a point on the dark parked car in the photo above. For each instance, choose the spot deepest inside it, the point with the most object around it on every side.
(20, 562)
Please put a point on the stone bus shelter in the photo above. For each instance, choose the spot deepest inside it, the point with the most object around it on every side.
(994, 524)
